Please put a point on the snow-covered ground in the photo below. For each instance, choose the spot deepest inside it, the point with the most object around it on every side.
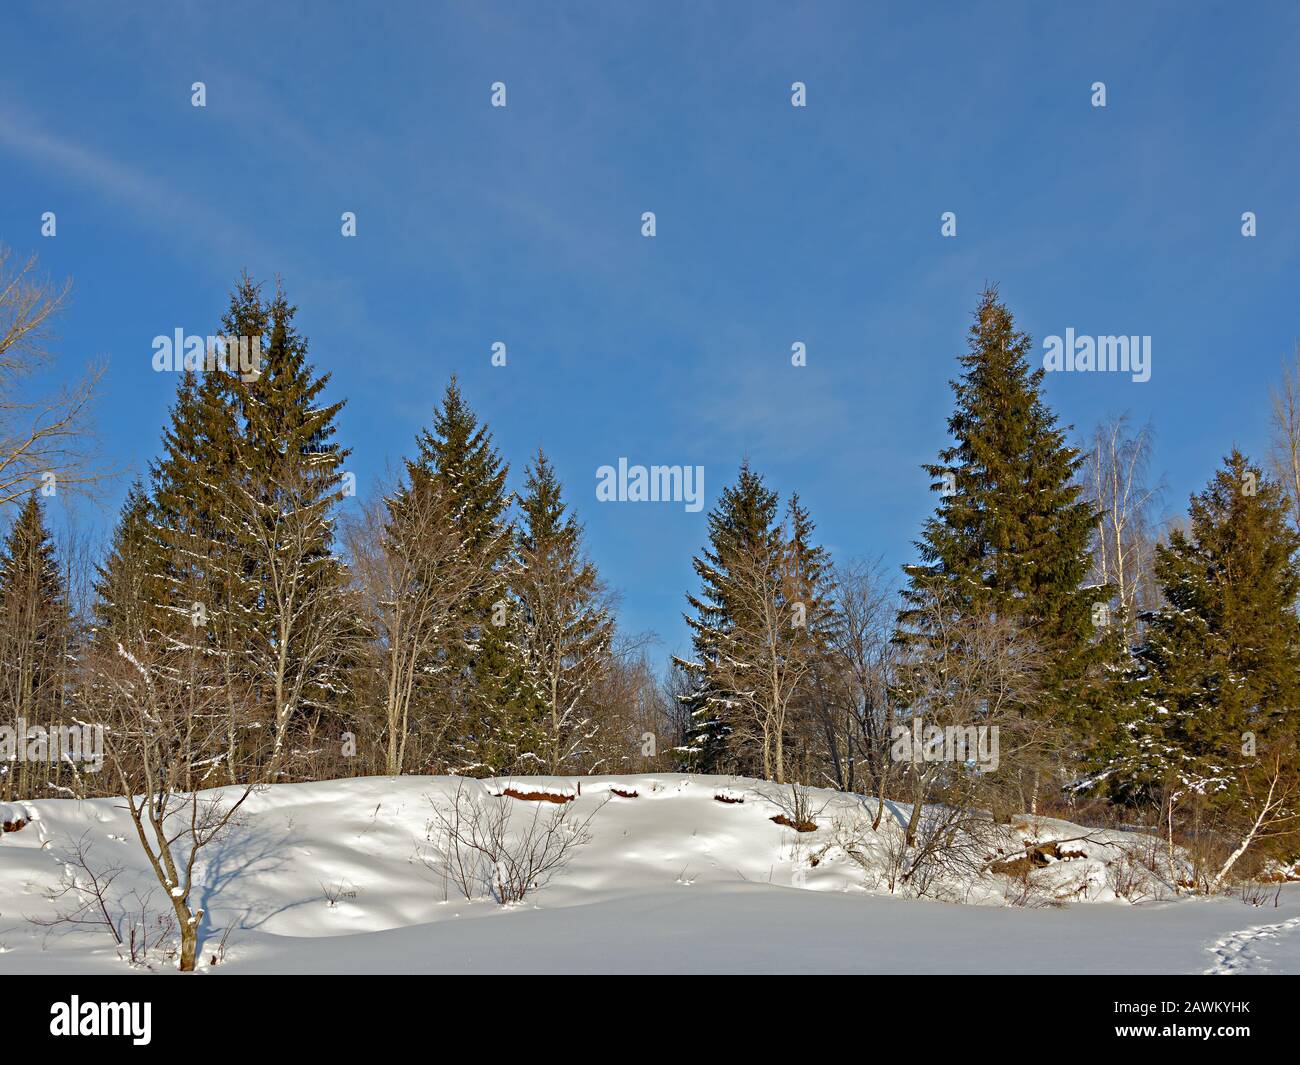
(681, 878)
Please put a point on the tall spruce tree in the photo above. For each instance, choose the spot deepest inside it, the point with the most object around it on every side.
(35, 634)
(1011, 532)
(283, 486)
(744, 535)
(241, 555)
(191, 559)
(565, 628)
(481, 677)
(123, 612)
(195, 597)
(809, 587)
(1219, 670)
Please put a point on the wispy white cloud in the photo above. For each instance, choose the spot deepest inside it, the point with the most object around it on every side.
(169, 209)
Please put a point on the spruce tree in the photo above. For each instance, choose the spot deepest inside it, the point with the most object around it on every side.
(282, 487)
(194, 586)
(475, 681)
(808, 574)
(744, 532)
(123, 612)
(1219, 670)
(191, 557)
(35, 631)
(1011, 531)
(504, 728)
(241, 557)
(808, 583)
(459, 455)
(565, 627)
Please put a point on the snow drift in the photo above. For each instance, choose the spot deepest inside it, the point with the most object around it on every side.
(681, 874)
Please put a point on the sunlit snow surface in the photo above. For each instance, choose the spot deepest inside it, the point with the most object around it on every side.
(673, 881)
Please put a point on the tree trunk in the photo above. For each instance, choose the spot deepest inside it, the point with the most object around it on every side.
(914, 820)
(189, 923)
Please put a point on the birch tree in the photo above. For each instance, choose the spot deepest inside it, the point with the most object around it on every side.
(1286, 434)
(1116, 474)
(1269, 805)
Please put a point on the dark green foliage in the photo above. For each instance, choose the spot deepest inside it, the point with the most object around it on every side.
(35, 641)
(34, 618)
(565, 629)
(477, 683)
(122, 610)
(241, 572)
(1219, 671)
(1011, 531)
(742, 526)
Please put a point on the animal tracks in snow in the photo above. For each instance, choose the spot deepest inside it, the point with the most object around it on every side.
(1238, 952)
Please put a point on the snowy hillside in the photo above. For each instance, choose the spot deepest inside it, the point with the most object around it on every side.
(681, 874)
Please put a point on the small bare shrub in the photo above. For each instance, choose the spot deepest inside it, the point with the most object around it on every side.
(1025, 892)
(948, 853)
(334, 893)
(796, 808)
(219, 955)
(88, 902)
(1259, 894)
(480, 846)
(853, 835)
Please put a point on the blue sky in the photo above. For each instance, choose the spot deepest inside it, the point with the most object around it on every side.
(775, 225)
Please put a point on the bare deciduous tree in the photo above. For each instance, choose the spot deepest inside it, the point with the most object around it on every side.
(1116, 472)
(1270, 802)
(305, 619)
(639, 724)
(88, 900)
(766, 658)
(413, 572)
(42, 441)
(165, 742)
(1286, 434)
(976, 671)
(856, 706)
